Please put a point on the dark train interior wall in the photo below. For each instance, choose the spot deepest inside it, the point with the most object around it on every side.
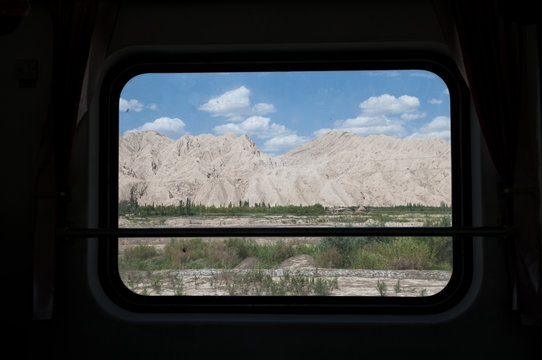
(84, 323)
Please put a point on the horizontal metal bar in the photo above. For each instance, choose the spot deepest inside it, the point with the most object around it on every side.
(285, 232)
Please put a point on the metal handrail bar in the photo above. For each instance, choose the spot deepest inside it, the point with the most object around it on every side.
(485, 231)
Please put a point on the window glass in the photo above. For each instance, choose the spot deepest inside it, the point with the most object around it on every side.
(285, 149)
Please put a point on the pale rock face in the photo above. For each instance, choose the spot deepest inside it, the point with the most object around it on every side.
(336, 169)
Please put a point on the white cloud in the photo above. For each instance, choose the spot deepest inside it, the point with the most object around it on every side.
(283, 143)
(413, 115)
(231, 104)
(446, 91)
(435, 101)
(380, 115)
(152, 106)
(438, 127)
(171, 127)
(263, 108)
(254, 126)
(130, 105)
(370, 125)
(321, 132)
(389, 104)
(235, 105)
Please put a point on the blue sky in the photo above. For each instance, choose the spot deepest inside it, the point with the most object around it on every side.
(280, 111)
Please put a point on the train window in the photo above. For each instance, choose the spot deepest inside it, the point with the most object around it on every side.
(266, 179)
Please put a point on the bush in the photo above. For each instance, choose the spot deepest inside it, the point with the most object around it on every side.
(180, 252)
(330, 258)
(194, 253)
(403, 254)
(219, 255)
(338, 251)
(244, 248)
(369, 260)
(141, 257)
(283, 251)
(441, 252)
(140, 252)
(344, 245)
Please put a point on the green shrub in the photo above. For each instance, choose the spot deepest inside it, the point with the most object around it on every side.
(403, 254)
(260, 282)
(441, 252)
(283, 250)
(140, 257)
(140, 252)
(330, 258)
(179, 252)
(195, 253)
(219, 255)
(381, 287)
(344, 245)
(369, 260)
(244, 247)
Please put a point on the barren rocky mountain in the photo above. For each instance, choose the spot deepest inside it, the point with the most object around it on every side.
(336, 169)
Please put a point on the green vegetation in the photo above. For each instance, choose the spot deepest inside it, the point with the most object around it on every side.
(260, 282)
(409, 207)
(223, 255)
(401, 253)
(381, 287)
(188, 208)
(397, 287)
(244, 208)
(255, 281)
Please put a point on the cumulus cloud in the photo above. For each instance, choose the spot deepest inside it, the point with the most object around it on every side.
(413, 115)
(388, 104)
(321, 132)
(283, 143)
(171, 127)
(438, 127)
(235, 105)
(232, 104)
(263, 108)
(370, 125)
(258, 126)
(245, 118)
(381, 115)
(130, 105)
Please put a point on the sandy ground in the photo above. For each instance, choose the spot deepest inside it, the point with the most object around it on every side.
(277, 220)
(350, 282)
(208, 282)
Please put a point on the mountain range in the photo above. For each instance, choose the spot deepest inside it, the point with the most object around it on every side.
(335, 169)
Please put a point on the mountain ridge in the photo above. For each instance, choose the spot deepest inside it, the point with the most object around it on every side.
(335, 169)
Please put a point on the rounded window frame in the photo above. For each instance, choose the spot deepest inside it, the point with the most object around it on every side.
(288, 60)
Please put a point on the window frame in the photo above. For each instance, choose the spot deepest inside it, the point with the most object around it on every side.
(288, 60)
